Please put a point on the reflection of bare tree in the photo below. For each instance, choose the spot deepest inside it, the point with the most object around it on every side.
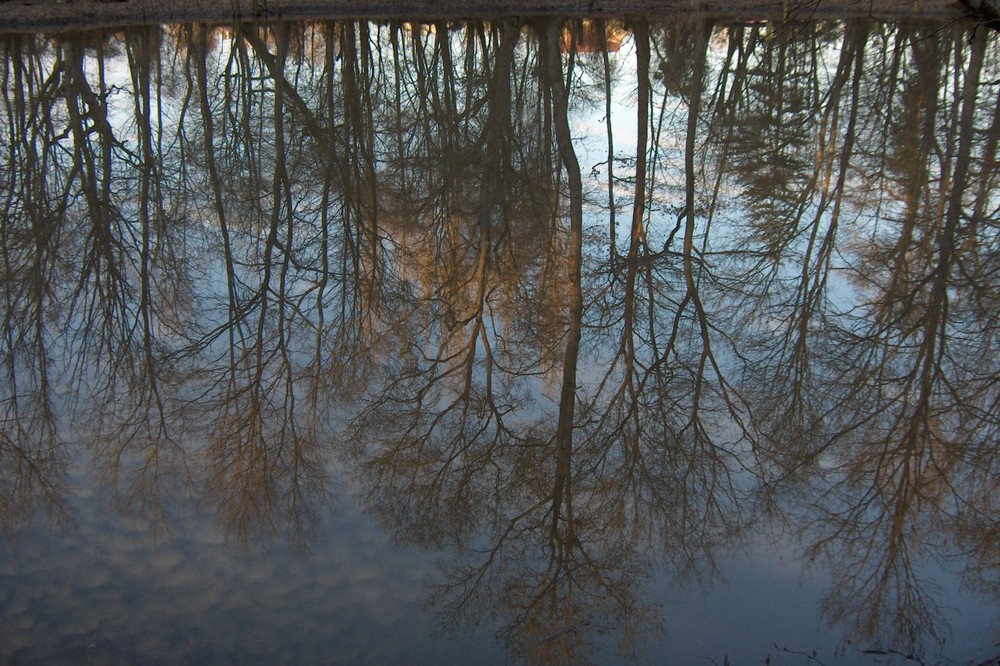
(664, 394)
(83, 255)
(555, 518)
(266, 466)
(929, 405)
(792, 252)
(31, 459)
(443, 406)
(880, 406)
(451, 450)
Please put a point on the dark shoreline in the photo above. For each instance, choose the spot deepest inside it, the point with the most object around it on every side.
(54, 16)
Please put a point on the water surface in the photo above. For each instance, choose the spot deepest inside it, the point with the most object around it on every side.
(369, 342)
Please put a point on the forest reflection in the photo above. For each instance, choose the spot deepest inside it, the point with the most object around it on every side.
(573, 342)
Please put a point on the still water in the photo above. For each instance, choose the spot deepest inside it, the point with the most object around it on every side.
(356, 342)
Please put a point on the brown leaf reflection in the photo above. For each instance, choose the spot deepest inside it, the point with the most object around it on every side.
(234, 258)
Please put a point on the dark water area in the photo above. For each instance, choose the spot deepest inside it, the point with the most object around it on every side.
(501, 342)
